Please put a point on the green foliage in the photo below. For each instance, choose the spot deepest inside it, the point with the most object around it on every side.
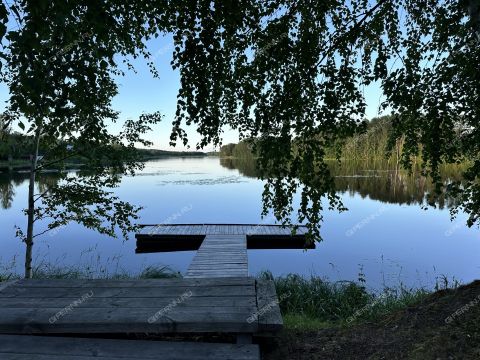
(315, 302)
(290, 74)
(158, 272)
(227, 150)
(59, 64)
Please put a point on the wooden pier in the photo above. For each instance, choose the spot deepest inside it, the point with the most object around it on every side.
(220, 256)
(216, 296)
(189, 237)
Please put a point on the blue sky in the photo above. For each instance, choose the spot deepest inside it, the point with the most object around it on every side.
(141, 92)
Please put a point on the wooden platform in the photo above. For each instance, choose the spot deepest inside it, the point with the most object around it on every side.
(174, 306)
(15, 347)
(216, 296)
(219, 229)
(189, 237)
(220, 256)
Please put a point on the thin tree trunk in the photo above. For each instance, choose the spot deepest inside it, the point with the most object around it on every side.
(31, 207)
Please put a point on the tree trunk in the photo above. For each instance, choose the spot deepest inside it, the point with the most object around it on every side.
(31, 207)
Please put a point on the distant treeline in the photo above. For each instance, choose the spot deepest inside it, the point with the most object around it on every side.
(153, 153)
(15, 148)
(370, 143)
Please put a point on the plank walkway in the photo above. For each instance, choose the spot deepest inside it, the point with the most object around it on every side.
(15, 347)
(156, 306)
(220, 256)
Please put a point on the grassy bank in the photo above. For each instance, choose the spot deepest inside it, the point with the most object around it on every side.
(440, 325)
(309, 303)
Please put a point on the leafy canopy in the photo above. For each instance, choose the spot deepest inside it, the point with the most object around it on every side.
(292, 74)
(288, 73)
(59, 61)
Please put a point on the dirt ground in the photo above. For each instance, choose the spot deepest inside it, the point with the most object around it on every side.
(446, 325)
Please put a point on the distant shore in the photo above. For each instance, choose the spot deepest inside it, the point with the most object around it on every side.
(146, 154)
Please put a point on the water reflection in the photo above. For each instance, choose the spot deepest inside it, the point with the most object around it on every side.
(7, 192)
(377, 180)
(393, 242)
(11, 180)
(8, 183)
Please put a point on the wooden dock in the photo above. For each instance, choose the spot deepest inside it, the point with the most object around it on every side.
(219, 229)
(189, 237)
(220, 256)
(216, 296)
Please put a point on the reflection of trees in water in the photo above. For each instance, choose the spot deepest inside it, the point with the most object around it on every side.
(8, 182)
(47, 181)
(11, 180)
(380, 181)
(7, 192)
(376, 179)
(245, 165)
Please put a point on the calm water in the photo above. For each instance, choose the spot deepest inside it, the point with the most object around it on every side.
(385, 232)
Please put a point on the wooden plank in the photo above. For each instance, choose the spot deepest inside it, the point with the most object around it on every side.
(213, 273)
(268, 314)
(107, 320)
(196, 230)
(16, 347)
(164, 229)
(136, 292)
(156, 303)
(226, 251)
(5, 284)
(233, 260)
(219, 265)
(220, 255)
(218, 271)
(148, 230)
(218, 229)
(227, 259)
(204, 273)
(149, 283)
(124, 306)
(177, 230)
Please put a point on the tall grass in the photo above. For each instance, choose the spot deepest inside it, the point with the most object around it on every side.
(314, 301)
(51, 271)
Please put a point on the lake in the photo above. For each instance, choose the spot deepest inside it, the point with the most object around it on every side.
(386, 234)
